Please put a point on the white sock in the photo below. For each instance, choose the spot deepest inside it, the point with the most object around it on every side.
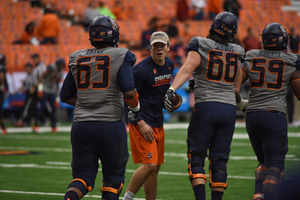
(128, 195)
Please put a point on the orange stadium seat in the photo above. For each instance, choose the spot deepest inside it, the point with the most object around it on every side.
(14, 15)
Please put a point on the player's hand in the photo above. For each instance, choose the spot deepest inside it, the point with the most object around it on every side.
(242, 104)
(169, 100)
(132, 116)
(146, 131)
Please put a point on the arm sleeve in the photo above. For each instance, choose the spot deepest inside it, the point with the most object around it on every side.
(298, 63)
(125, 74)
(69, 89)
(193, 45)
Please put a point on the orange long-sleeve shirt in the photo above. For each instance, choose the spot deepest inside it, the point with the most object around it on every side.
(49, 26)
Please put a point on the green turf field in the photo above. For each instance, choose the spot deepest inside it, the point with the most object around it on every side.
(46, 172)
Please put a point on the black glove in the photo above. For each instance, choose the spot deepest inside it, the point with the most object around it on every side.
(191, 85)
(169, 100)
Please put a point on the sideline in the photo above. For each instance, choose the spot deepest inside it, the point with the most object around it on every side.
(167, 126)
(49, 194)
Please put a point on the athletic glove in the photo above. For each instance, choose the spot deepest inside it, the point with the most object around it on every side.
(169, 100)
(242, 104)
(132, 116)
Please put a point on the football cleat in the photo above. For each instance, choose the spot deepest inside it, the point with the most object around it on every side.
(258, 196)
(35, 129)
(54, 130)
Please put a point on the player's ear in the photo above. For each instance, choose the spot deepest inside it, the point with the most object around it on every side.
(168, 46)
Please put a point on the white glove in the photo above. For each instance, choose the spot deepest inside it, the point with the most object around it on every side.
(242, 104)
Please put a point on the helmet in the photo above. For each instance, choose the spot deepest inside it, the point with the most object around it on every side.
(104, 29)
(2, 59)
(275, 37)
(60, 63)
(225, 24)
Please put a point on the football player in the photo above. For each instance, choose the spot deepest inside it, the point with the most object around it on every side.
(50, 81)
(271, 72)
(152, 78)
(3, 89)
(97, 81)
(214, 62)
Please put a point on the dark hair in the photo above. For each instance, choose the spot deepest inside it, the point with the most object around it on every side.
(218, 38)
(29, 25)
(101, 45)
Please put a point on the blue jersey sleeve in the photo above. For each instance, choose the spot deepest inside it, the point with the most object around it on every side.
(125, 74)
(298, 63)
(138, 74)
(69, 89)
(193, 45)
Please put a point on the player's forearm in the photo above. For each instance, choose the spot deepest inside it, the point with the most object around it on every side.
(180, 78)
(295, 83)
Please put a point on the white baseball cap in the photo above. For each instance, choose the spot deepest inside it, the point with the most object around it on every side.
(159, 36)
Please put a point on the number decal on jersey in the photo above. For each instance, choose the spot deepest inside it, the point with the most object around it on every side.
(216, 66)
(274, 66)
(85, 71)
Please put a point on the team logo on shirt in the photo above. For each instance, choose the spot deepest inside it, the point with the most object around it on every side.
(162, 80)
(150, 155)
(154, 71)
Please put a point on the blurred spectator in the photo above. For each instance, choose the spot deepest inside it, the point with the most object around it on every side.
(35, 3)
(29, 35)
(214, 7)
(90, 13)
(182, 10)
(50, 80)
(37, 89)
(29, 107)
(293, 47)
(251, 41)
(232, 6)
(198, 7)
(119, 10)
(236, 40)
(104, 10)
(3, 89)
(132, 14)
(172, 30)
(294, 40)
(48, 29)
(146, 34)
(179, 51)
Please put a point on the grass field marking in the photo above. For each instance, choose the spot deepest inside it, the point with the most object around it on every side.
(39, 137)
(37, 166)
(50, 194)
(46, 149)
(68, 128)
(57, 163)
(167, 154)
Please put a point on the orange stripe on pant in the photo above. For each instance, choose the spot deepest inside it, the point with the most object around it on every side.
(147, 152)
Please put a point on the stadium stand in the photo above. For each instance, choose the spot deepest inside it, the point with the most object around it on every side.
(15, 14)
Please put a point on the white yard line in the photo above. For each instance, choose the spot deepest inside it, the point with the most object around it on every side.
(50, 194)
(68, 128)
(37, 166)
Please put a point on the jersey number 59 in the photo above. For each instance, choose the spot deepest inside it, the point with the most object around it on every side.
(273, 67)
